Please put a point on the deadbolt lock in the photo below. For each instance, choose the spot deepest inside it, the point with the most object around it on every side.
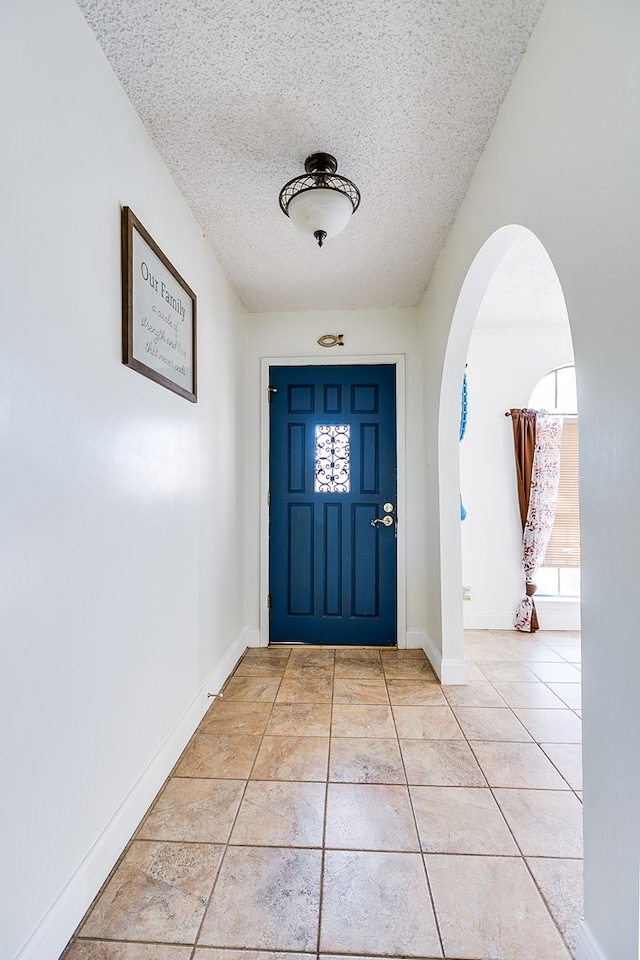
(388, 507)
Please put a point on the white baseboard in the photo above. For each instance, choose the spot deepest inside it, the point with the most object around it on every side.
(414, 640)
(252, 638)
(552, 615)
(447, 671)
(487, 620)
(587, 948)
(558, 614)
(454, 671)
(54, 931)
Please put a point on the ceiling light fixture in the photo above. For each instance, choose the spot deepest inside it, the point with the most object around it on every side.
(320, 202)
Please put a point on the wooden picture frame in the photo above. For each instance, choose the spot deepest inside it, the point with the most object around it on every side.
(159, 333)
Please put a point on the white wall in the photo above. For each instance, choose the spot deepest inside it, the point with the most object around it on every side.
(367, 334)
(504, 365)
(121, 520)
(562, 161)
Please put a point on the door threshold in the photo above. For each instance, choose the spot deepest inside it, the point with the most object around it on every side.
(333, 646)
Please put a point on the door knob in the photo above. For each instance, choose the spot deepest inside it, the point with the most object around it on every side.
(387, 521)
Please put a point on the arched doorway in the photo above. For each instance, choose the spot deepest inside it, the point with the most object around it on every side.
(477, 282)
(521, 333)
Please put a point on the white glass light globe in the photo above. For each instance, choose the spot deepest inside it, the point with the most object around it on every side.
(320, 209)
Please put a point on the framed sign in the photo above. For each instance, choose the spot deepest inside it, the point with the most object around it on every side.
(158, 313)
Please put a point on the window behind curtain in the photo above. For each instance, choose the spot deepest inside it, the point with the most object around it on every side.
(560, 572)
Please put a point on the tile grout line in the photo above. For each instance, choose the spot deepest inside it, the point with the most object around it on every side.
(415, 823)
(533, 739)
(194, 946)
(231, 829)
(324, 819)
(518, 847)
(171, 775)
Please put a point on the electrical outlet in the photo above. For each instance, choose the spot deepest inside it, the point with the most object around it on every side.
(466, 593)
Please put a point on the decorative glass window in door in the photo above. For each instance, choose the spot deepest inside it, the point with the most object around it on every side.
(332, 473)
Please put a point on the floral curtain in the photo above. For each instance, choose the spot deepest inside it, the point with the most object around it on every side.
(543, 493)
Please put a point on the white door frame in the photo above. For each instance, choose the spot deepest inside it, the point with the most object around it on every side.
(399, 361)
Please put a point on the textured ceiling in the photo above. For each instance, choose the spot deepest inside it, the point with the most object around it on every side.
(236, 93)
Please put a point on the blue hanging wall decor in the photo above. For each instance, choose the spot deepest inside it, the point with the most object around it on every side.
(463, 430)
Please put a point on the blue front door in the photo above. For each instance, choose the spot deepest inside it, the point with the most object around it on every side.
(332, 520)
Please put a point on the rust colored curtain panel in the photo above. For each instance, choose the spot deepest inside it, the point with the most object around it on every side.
(524, 446)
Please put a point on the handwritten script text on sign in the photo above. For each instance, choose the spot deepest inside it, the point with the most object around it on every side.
(163, 317)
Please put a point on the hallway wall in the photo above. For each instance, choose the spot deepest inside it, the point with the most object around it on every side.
(562, 161)
(121, 502)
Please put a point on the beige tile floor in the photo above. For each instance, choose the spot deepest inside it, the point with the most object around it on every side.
(341, 803)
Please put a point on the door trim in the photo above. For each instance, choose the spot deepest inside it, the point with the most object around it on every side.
(399, 361)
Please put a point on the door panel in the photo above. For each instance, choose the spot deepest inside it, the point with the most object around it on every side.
(332, 467)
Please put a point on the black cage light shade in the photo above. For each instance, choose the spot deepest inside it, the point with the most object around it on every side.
(320, 202)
